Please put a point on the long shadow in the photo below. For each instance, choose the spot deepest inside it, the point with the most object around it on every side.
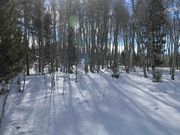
(155, 97)
(25, 110)
(106, 116)
(83, 86)
(109, 119)
(96, 85)
(72, 108)
(137, 109)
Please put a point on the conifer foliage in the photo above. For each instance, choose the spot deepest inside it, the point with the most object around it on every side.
(11, 45)
(156, 29)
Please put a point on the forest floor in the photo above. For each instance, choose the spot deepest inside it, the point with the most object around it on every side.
(96, 105)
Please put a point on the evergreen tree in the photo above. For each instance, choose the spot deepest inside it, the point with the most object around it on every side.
(156, 31)
(49, 48)
(11, 43)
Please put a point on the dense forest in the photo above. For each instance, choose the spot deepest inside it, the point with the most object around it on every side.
(89, 67)
(59, 35)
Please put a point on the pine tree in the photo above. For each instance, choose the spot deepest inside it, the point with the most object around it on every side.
(11, 43)
(156, 31)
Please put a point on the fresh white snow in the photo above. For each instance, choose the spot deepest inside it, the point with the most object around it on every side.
(96, 105)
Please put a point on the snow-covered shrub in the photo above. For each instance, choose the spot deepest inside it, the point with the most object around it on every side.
(157, 76)
(2, 87)
(115, 75)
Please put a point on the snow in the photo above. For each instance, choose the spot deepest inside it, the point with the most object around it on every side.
(96, 105)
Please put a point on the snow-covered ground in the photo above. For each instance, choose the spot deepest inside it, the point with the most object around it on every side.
(96, 105)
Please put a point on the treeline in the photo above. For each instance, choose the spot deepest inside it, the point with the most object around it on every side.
(101, 33)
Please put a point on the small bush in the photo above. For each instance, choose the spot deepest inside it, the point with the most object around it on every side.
(2, 92)
(115, 76)
(71, 72)
(157, 76)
